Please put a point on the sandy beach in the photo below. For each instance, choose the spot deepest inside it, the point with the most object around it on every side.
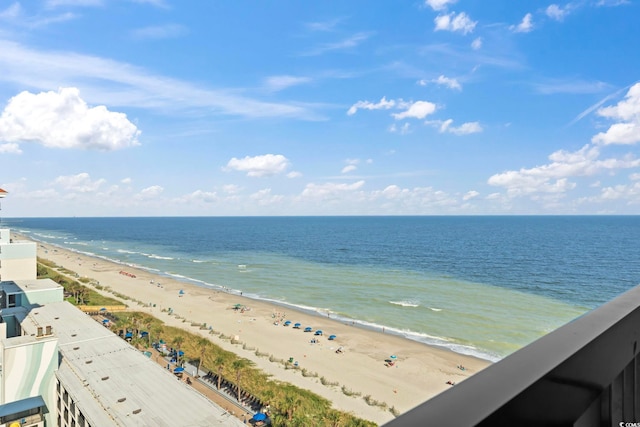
(419, 373)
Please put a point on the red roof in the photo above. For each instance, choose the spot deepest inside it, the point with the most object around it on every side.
(3, 193)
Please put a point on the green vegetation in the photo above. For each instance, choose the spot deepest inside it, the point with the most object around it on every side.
(75, 292)
(289, 405)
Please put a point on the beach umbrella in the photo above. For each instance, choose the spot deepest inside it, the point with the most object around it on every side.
(178, 369)
(105, 321)
(259, 417)
(318, 332)
(180, 353)
(181, 292)
(308, 329)
(332, 337)
(287, 323)
(103, 309)
(297, 325)
(393, 357)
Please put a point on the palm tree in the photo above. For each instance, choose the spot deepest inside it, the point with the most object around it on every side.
(220, 362)
(291, 401)
(203, 347)
(176, 343)
(239, 365)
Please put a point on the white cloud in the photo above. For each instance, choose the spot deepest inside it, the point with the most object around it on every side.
(470, 195)
(126, 181)
(349, 168)
(476, 43)
(80, 183)
(554, 11)
(452, 22)
(612, 2)
(627, 113)
(294, 174)
(451, 83)
(63, 120)
(572, 86)
(366, 105)
(463, 129)
(278, 83)
(553, 177)
(323, 25)
(439, 4)
(104, 81)
(417, 110)
(345, 44)
(525, 26)
(402, 130)
(150, 192)
(260, 166)
(10, 148)
(352, 164)
(329, 190)
(168, 31)
(264, 197)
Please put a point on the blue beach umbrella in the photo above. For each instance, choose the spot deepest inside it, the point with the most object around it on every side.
(287, 323)
(332, 337)
(308, 329)
(181, 353)
(393, 357)
(178, 369)
(105, 321)
(297, 325)
(318, 332)
(259, 417)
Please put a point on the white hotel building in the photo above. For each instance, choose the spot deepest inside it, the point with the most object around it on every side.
(59, 367)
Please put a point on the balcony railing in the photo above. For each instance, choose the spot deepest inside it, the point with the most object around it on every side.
(586, 373)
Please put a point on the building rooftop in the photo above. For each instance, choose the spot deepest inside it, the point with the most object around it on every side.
(27, 286)
(113, 383)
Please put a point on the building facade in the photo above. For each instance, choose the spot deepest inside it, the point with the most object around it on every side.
(59, 367)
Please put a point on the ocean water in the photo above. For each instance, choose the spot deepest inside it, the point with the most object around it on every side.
(483, 286)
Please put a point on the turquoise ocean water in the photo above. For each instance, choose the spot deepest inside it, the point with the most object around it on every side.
(483, 286)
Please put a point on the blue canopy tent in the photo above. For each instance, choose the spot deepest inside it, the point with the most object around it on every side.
(308, 329)
(259, 417)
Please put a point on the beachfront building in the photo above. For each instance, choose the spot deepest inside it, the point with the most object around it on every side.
(59, 367)
(17, 259)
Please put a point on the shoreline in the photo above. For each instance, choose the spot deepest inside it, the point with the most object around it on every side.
(421, 371)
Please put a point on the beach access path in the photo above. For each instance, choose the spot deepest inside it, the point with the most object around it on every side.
(419, 373)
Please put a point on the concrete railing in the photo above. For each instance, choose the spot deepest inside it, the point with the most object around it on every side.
(586, 373)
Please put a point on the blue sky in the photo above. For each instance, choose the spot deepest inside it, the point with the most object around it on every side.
(425, 107)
